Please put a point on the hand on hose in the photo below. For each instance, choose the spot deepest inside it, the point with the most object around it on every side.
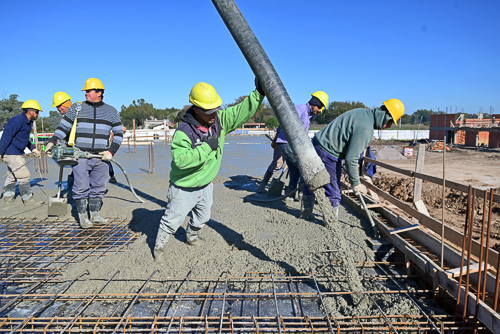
(359, 189)
(106, 155)
(48, 149)
(212, 141)
(36, 152)
(259, 87)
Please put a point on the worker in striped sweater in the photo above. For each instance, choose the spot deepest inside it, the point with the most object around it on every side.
(96, 121)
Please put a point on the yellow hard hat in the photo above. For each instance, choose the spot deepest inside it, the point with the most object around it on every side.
(93, 83)
(323, 97)
(204, 96)
(59, 98)
(396, 108)
(31, 104)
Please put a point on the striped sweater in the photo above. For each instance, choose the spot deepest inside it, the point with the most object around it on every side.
(93, 128)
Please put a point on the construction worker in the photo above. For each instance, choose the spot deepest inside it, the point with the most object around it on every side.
(275, 165)
(307, 112)
(15, 139)
(345, 138)
(96, 120)
(62, 102)
(197, 147)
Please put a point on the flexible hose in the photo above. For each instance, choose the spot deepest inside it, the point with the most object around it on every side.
(274, 199)
(98, 156)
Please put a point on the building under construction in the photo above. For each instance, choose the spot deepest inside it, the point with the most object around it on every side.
(471, 132)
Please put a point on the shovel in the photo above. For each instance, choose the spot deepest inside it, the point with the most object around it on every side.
(276, 186)
(58, 206)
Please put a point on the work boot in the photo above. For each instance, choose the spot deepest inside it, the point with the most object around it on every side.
(336, 212)
(291, 197)
(8, 199)
(95, 205)
(26, 193)
(192, 236)
(161, 242)
(307, 206)
(264, 182)
(81, 206)
(112, 179)
(9, 191)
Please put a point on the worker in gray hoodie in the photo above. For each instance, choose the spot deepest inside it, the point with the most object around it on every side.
(344, 139)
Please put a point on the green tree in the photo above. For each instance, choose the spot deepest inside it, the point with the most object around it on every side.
(335, 109)
(9, 108)
(272, 122)
(140, 111)
(405, 119)
(421, 115)
(50, 123)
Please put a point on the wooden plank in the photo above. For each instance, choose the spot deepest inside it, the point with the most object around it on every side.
(378, 205)
(419, 167)
(449, 184)
(404, 229)
(455, 272)
(434, 225)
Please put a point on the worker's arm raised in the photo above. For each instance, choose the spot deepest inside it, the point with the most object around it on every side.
(186, 157)
(234, 117)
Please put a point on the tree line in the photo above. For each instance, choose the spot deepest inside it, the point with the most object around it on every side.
(140, 110)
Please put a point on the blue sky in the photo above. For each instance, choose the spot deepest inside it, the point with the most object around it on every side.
(429, 54)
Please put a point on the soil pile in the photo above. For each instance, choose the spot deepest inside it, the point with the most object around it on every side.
(389, 153)
(432, 196)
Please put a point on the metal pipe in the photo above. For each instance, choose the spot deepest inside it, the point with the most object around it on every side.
(444, 191)
(469, 252)
(488, 231)
(478, 296)
(464, 241)
(311, 167)
(224, 302)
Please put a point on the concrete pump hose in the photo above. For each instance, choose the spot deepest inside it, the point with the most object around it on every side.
(86, 155)
(129, 184)
(312, 168)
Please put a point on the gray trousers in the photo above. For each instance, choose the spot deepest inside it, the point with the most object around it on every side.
(182, 201)
(17, 174)
(91, 178)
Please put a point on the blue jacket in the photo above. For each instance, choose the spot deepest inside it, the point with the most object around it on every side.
(16, 136)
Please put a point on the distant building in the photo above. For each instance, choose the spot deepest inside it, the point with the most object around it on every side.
(471, 132)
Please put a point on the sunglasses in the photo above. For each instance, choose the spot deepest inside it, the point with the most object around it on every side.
(36, 111)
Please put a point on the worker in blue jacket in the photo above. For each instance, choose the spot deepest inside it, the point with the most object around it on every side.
(15, 139)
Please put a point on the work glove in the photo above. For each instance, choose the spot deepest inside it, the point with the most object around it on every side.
(36, 152)
(359, 189)
(212, 141)
(49, 147)
(258, 86)
(106, 155)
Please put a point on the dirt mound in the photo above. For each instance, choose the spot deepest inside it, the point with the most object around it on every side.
(455, 203)
(389, 153)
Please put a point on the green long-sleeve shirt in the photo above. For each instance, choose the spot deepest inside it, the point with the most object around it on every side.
(194, 164)
(349, 134)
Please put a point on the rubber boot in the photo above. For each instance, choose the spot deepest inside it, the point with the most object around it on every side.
(9, 191)
(95, 205)
(161, 242)
(26, 194)
(264, 182)
(192, 236)
(336, 212)
(81, 206)
(307, 206)
(291, 197)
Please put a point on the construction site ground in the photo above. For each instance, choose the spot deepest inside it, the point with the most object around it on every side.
(477, 167)
(242, 239)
